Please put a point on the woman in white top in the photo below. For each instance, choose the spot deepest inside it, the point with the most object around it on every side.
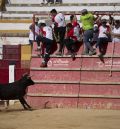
(116, 32)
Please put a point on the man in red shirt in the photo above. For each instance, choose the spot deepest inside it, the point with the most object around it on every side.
(70, 39)
(46, 38)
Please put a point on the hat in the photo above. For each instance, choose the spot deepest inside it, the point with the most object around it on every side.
(104, 21)
(84, 11)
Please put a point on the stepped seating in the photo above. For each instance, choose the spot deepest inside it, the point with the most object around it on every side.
(61, 8)
(20, 13)
(86, 82)
(65, 1)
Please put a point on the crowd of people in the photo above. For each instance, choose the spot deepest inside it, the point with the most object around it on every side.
(94, 29)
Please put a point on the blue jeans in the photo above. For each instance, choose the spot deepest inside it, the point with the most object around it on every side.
(87, 39)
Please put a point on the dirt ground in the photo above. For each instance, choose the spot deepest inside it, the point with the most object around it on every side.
(16, 118)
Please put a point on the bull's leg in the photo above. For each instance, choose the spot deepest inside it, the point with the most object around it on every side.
(6, 102)
(24, 103)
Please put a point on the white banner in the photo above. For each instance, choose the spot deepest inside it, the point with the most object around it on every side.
(11, 78)
(11, 73)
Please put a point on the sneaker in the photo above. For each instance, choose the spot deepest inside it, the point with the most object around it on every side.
(43, 65)
(73, 55)
(92, 52)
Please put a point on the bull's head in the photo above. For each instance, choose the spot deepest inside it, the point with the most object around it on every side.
(26, 78)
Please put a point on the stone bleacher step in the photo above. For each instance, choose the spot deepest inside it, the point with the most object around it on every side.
(75, 94)
(15, 20)
(75, 82)
(84, 62)
(72, 69)
(78, 56)
(63, 4)
(25, 15)
(76, 88)
(15, 40)
(64, 1)
(76, 74)
(14, 33)
(44, 15)
(63, 8)
(72, 96)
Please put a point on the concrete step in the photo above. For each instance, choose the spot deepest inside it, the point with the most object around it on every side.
(20, 17)
(65, 4)
(14, 40)
(73, 88)
(74, 95)
(85, 61)
(63, 8)
(13, 15)
(13, 33)
(14, 26)
(74, 74)
(16, 21)
(44, 15)
(64, 1)
(66, 61)
(83, 101)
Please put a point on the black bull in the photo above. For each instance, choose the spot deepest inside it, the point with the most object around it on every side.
(16, 90)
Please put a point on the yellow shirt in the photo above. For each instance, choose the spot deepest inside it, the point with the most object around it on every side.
(87, 21)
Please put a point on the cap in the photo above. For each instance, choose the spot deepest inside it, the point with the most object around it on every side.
(104, 21)
(84, 11)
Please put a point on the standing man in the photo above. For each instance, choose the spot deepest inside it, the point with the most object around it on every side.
(87, 19)
(59, 29)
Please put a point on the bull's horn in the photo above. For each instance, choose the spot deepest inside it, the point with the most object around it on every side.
(25, 74)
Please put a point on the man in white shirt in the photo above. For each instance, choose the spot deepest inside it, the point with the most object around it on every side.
(59, 29)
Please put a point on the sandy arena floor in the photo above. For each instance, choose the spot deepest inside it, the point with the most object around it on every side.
(17, 118)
